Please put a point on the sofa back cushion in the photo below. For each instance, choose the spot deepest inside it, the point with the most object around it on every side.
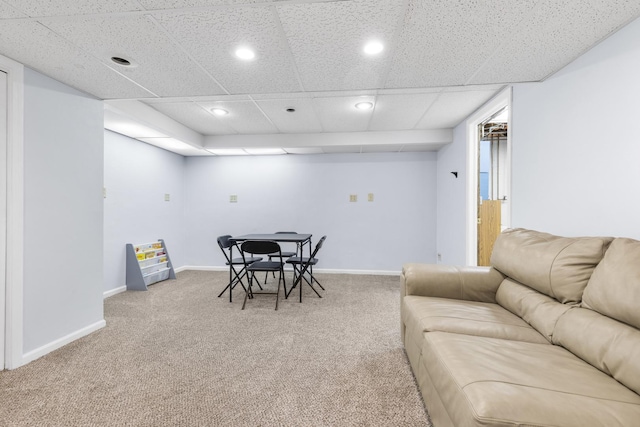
(538, 310)
(614, 288)
(559, 267)
(609, 345)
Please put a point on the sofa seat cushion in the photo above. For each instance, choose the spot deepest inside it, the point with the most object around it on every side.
(491, 382)
(422, 314)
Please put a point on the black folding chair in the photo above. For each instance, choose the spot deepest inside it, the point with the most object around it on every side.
(302, 266)
(262, 247)
(283, 254)
(235, 276)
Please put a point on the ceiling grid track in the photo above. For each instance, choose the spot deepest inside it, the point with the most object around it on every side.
(100, 60)
(155, 22)
(394, 42)
(292, 59)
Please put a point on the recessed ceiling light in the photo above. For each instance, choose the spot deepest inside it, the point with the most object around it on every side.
(219, 111)
(373, 48)
(364, 105)
(245, 53)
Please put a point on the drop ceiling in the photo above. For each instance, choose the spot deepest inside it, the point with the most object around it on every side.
(441, 61)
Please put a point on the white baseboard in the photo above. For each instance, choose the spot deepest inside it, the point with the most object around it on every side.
(201, 268)
(318, 270)
(373, 272)
(48, 348)
(112, 292)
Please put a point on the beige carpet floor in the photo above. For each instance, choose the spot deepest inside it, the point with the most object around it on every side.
(177, 355)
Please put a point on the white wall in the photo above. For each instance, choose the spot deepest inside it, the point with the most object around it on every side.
(136, 178)
(576, 149)
(310, 194)
(63, 163)
(452, 200)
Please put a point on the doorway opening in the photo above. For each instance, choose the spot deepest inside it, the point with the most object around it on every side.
(492, 174)
(488, 178)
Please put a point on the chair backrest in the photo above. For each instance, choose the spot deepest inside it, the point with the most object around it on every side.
(224, 241)
(286, 232)
(318, 246)
(260, 247)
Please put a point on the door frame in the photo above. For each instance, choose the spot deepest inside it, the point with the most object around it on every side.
(14, 276)
(498, 102)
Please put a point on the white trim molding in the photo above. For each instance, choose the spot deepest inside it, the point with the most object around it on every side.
(501, 100)
(114, 291)
(15, 212)
(318, 270)
(48, 348)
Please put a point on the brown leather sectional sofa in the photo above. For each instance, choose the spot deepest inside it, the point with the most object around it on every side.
(549, 335)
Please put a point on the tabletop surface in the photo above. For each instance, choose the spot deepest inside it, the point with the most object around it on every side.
(277, 237)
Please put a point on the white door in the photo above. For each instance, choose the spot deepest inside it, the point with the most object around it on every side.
(3, 212)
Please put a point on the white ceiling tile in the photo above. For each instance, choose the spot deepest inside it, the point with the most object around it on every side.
(452, 107)
(9, 12)
(31, 43)
(160, 66)
(444, 43)
(304, 119)
(178, 4)
(309, 55)
(552, 38)
(213, 37)
(397, 112)
(195, 117)
(339, 114)
(39, 8)
(327, 39)
(410, 91)
(211, 98)
(244, 117)
(291, 95)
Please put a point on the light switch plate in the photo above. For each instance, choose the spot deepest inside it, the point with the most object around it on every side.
(167, 197)
(353, 197)
(370, 197)
(233, 198)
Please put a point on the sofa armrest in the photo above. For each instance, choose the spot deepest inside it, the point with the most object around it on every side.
(446, 281)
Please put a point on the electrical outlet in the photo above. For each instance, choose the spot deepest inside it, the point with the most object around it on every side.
(233, 198)
(353, 197)
(370, 197)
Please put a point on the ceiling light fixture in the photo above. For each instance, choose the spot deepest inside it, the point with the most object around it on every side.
(245, 54)
(227, 151)
(373, 48)
(364, 105)
(219, 111)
